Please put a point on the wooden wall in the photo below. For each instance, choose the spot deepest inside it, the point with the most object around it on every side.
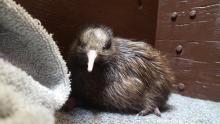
(128, 18)
(192, 26)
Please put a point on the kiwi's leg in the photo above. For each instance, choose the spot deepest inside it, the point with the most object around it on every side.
(153, 100)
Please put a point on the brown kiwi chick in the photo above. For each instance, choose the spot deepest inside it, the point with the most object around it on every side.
(116, 74)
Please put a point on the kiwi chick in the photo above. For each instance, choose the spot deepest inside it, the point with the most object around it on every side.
(116, 74)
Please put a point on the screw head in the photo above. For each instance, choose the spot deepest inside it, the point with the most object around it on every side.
(179, 49)
(192, 14)
(174, 16)
(180, 87)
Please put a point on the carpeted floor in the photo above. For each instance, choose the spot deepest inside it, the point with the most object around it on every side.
(182, 110)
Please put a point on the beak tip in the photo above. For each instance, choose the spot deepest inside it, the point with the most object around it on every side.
(89, 70)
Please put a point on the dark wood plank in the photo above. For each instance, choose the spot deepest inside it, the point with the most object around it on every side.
(205, 26)
(198, 66)
(134, 19)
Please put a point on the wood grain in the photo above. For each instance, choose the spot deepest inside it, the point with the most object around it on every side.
(198, 66)
(134, 19)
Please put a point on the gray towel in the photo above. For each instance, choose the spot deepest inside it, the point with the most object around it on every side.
(34, 81)
(20, 101)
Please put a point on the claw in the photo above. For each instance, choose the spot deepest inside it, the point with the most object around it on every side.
(145, 112)
(157, 112)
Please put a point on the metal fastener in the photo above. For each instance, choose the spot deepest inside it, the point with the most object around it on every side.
(179, 49)
(174, 16)
(192, 14)
(180, 87)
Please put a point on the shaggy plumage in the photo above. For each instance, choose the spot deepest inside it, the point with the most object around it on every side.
(127, 76)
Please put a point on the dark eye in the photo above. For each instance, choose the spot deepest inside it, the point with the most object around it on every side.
(107, 46)
(82, 45)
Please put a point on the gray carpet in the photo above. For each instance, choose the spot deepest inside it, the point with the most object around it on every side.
(183, 110)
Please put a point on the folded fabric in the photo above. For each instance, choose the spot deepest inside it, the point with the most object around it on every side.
(16, 107)
(34, 81)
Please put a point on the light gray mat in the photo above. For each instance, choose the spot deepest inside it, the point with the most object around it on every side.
(183, 110)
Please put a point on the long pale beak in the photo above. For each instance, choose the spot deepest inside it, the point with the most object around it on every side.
(92, 54)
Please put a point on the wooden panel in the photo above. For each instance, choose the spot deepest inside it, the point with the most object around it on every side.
(198, 66)
(205, 26)
(128, 18)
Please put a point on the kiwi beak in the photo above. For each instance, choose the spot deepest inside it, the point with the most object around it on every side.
(91, 54)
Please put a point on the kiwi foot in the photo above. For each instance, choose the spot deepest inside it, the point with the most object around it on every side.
(145, 112)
